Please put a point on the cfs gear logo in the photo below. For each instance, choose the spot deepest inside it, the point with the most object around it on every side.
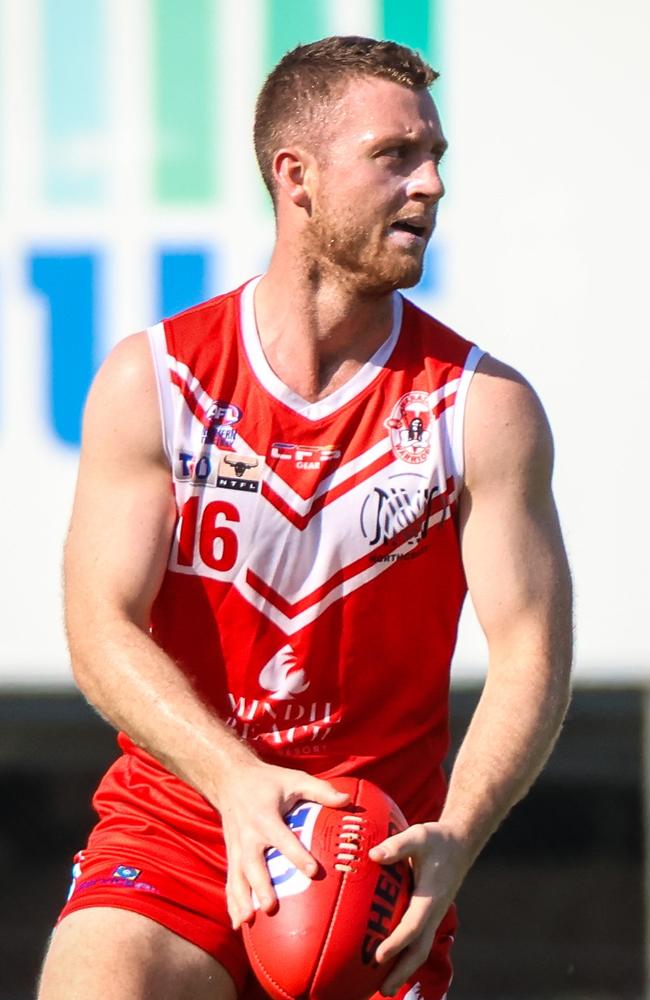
(286, 879)
(304, 456)
(282, 677)
(222, 418)
(409, 427)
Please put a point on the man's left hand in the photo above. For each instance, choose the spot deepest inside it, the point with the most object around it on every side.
(439, 866)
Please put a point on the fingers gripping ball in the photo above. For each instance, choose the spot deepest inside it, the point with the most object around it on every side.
(320, 941)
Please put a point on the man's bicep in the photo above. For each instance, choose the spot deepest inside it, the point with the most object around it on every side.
(512, 545)
(517, 572)
(123, 512)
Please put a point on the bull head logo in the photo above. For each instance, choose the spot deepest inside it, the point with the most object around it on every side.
(240, 466)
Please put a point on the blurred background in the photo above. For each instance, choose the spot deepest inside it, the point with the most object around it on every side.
(128, 190)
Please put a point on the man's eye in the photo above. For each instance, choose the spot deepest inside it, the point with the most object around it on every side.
(394, 152)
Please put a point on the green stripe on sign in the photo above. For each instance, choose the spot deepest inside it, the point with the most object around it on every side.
(418, 24)
(412, 23)
(74, 100)
(184, 61)
(291, 23)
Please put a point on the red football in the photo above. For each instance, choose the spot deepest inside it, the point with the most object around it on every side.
(320, 941)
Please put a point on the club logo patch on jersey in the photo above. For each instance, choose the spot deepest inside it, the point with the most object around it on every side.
(287, 880)
(239, 472)
(409, 427)
(400, 507)
(282, 676)
(222, 418)
(304, 456)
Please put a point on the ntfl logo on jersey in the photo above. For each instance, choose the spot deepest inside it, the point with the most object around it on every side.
(286, 879)
(409, 427)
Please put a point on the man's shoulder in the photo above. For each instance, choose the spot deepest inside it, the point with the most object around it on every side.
(435, 337)
(507, 429)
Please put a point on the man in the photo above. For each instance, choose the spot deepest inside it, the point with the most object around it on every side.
(266, 594)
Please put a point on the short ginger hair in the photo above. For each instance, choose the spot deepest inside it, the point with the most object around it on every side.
(311, 77)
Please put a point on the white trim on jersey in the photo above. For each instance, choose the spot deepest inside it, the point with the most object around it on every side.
(307, 590)
(341, 474)
(457, 439)
(335, 400)
(158, 346)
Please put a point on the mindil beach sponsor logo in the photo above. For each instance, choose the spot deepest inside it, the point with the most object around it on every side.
(409, 427)
(282, 676)
(285, 717)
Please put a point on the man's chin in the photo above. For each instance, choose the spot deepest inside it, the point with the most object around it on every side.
(411, 277)
(405, 276)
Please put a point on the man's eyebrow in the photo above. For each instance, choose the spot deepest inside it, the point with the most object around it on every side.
(405, 139)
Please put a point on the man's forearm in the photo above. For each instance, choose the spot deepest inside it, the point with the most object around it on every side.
(510, 737)
(141, 691)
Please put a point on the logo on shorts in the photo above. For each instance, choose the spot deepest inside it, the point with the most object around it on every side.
(409, 427)
(222, 418)
(76, 875)
(125, 872)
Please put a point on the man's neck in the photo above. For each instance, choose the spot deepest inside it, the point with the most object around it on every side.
(316, 333)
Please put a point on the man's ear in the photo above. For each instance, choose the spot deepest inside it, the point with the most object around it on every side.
(293, 169)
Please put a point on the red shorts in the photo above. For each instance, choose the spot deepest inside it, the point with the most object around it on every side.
(148, 855)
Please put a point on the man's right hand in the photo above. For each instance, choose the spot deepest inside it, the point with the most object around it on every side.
(253, 799)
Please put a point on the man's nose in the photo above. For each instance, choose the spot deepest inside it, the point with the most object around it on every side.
(425, 183)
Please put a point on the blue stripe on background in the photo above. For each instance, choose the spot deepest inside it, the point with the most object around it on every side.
(183, 278)
(68, 282)
(75, 100)
(432, 277)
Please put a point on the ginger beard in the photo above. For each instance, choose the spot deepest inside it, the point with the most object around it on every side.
(345, 236)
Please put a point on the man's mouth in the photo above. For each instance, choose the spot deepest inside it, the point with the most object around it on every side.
(412, 227)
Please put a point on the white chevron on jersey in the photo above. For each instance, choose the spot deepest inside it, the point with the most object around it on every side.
(301, 505)
(294, 620)
(294, 583)
(283, 568)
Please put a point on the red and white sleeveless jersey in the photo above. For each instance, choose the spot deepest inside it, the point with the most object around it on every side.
(314, 582)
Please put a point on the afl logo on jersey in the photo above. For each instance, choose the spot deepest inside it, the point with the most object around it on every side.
(222, 417)
(409, 427)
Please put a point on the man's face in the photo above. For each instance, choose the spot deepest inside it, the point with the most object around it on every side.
(377, 186)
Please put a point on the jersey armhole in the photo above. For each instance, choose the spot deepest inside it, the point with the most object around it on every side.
(158, 345)
(457, 440)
